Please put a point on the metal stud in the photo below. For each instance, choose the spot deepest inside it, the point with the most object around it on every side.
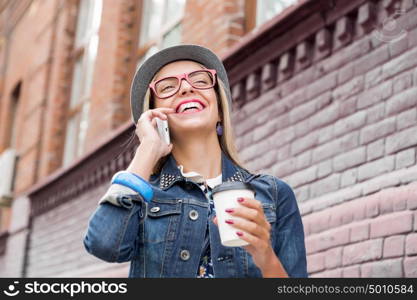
(155, 209)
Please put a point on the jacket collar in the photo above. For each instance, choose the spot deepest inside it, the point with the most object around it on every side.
(170, 172)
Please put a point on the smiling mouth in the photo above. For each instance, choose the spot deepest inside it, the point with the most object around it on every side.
(190, 111)
(190, 107)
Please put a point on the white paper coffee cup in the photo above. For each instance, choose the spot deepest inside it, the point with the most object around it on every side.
(225, 196)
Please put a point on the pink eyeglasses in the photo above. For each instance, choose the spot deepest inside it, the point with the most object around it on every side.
(169, 86)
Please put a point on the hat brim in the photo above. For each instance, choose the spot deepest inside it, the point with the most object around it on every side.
(153, 64)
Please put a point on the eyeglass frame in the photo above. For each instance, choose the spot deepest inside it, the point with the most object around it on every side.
(180, 78)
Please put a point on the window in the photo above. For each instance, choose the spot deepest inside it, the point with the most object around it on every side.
(160, 26)
(260, 11)
(85, 52)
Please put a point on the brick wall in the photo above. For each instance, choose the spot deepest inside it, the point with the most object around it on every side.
(216, 24)
(56, 243)
(335, 116)
(115, 64)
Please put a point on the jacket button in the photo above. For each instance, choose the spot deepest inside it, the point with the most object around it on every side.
(185, 255)
(193, 215)
(155, 209)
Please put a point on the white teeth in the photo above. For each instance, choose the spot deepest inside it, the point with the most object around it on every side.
(190, 104)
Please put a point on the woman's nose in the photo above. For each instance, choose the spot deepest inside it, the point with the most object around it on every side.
(185, 87)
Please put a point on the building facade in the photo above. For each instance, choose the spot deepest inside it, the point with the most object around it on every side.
(324, 94)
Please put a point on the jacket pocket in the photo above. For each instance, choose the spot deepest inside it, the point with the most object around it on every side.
(162, 220)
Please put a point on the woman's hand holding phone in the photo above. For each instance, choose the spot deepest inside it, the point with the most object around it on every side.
(147, 132)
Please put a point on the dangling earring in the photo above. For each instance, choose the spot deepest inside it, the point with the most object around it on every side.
(219, 128)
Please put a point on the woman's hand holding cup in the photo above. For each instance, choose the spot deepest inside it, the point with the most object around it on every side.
(252, 226)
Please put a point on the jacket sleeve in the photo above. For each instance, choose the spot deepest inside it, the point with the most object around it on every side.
(289, 245)
(113, 229)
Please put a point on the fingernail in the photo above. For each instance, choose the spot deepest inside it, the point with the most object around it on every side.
(240, 199)
(229, 222)
(239, 233)
(230, 210)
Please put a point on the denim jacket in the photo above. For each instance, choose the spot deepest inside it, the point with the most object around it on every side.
(165, 238)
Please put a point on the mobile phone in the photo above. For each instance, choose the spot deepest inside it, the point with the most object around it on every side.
(163, 130)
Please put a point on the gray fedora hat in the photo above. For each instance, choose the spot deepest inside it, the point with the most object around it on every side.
(153, 64)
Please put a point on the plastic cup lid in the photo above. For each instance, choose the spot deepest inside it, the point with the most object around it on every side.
(232, 185)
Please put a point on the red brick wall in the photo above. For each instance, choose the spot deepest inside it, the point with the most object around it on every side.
(115, 63)
(216, 24)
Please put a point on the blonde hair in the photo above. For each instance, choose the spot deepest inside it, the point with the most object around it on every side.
(226, 140)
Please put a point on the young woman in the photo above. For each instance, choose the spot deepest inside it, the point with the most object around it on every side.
(158, 213)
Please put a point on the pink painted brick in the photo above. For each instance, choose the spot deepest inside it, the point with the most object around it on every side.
(349, 159)
(303, 160)
(375, 95)
(349, 177)
(394, 246)
(411, 244)
(319, 221)
(350, 123)
(373, 59)
(375, 113)
(322, 85)
(313, 244)
(400, 64)
(403, 81)
(348, 107)
(405, 158)
(400, 199)
(373, 77)
(306, 227)
(401, 139)
(362, 252)
(333, 258)
(359, 232)
(404, 100)
(372, 205)
(334, 238)
(302, 111)
(325, 168)
(385, 268)
(337, 273)
(386, 199)
(407, 118)
(336, 218)
(375, 168)
(359, 209)
(410, 267)
(353, 210)
(326, 185)
(412, 197)
(395, 223)
(375, 150)
(415, 221)
(345, 73)
(315, 263)
(334, 147)
(352, 272)
(378, 130)
(348, 90)
(303, 176)
(325, 116)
